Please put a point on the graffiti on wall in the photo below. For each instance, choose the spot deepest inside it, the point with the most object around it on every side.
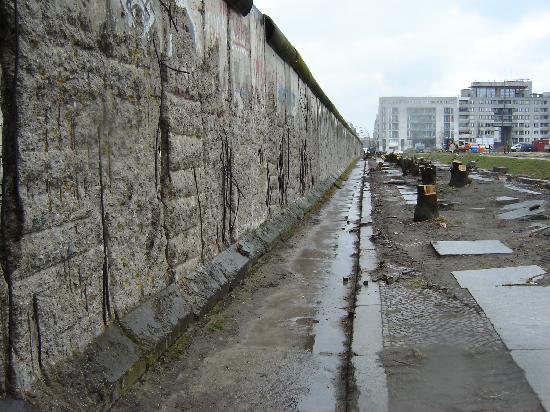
(286, 96)
(240, 35)
(139, 14)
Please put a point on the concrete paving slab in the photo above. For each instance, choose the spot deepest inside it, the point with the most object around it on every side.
(371, 383)
(523, 205)
(396, 182)
(475, 247)
(524, 213)
(521, 314)
(484, 278)
(370, 375)
(369, 295)
(538, 227)
(521, 189)
(506, 200)
(536, 365)
(480, 179)
(367, 259)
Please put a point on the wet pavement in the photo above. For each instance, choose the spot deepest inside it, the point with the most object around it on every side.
(282, 340)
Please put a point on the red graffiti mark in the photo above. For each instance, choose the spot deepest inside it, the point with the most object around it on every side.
(240, 34)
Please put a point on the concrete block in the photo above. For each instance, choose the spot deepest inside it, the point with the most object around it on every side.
(157, 323)
(252, 246)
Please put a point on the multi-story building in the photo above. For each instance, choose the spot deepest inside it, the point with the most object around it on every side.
(402, 122)
(505, 112)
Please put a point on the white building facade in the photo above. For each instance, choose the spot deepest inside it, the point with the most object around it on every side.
(402, 122)
(505, 112)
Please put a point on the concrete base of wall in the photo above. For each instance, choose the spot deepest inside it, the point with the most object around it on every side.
(96, 378)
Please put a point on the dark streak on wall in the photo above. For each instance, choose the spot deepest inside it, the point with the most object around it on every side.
(12, 210)
(236, 136)
(106, 297)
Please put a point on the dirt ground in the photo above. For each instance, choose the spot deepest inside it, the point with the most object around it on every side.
(441, 352)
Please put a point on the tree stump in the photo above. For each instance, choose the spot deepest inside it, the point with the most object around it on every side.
(391, 158)
(406, 166)
(426, 204)
(459, 175)
(429, 175)
(415, 168)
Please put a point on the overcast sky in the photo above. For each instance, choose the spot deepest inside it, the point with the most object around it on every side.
(360, 50)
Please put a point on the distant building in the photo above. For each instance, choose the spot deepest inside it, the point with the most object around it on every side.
(402, 122)
(505, 112)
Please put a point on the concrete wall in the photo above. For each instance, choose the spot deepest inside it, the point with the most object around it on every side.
(141, 138)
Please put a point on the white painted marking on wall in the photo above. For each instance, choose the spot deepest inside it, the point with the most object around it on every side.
(169, 49)
(145, 10)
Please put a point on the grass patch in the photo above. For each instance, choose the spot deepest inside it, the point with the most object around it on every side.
(538, 169)
(217, 324)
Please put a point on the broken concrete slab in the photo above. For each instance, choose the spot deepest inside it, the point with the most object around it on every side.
(506, 200)
(497, 277)
(475, 247)
(532, 181)
(480, 179)
(396, 182)
(531, 209)
(527, 204)
(518, 188)
(538, 228)
(537, 214)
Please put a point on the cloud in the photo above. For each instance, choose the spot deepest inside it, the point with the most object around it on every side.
(360, 50)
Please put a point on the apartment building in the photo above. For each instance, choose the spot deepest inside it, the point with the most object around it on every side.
(402, 122)
(505, 112)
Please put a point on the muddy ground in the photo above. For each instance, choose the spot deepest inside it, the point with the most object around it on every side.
(441, 352)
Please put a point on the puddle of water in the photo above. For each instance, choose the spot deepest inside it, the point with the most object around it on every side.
(329, 336)
(475, 247)
(321, 397)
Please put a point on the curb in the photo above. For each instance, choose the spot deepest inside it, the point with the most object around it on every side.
(115, 360)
